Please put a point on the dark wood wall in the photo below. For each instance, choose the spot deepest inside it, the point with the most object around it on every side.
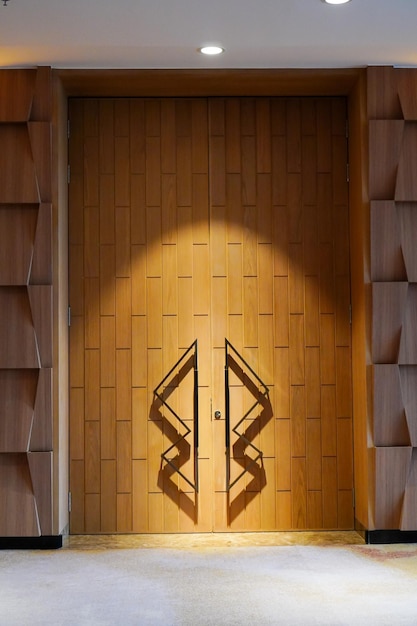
(26, 311)
(392, 115)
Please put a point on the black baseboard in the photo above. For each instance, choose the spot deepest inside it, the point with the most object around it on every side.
(52, 542)
(390, 536)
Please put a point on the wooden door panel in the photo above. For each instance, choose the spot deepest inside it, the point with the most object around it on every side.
(206, 219)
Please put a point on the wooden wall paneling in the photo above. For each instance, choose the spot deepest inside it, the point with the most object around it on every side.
(108, 497)
(42, 97)
(18, 348)
(18, 174)
(77, 418)
(387, 256)
(407, 218)
(92, 513)
(408, 351)
(407, 92)
(92, 384)
(389, 419)
(388, 304)
(40, 297)
(408, 376)
(344, 381)
(383, 93)
(17, 234)
(330, 499)
(15, 481)
(41, 268)
(406, 187)
(92, 457)
(359, 272)
(392, 466)
(40, 135)
(299, 493)
(107, 351)
(76, 351)
(41, 439)
(140, 497)
(17, 390)
(19, 85)
(40, 467)
(385, 140)
(408, 521)
(77, 514)
(178, 250)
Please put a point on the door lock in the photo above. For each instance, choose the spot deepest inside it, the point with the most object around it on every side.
(217, 415)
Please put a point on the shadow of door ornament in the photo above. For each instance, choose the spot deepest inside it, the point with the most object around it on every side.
(244, 452)
(178, 432)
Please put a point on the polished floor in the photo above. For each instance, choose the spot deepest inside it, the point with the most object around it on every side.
(214, 540)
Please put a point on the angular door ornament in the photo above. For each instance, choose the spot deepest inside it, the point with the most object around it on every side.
(188, 360)
(252, 382)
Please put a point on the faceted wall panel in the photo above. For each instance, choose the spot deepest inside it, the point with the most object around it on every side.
(392, 110)
(26, 320)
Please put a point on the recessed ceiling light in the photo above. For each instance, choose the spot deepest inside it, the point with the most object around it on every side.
(211, 50)
(335, 1)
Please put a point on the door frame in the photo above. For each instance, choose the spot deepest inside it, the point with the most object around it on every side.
(350, 83)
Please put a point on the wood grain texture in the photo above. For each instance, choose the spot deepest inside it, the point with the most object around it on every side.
(392, 467)
(20, 87)
(41, 268)
(16, 495)
(388, 303)
(385, 140)
(387, 249)
(40, 467)
(17, 168)
(17, 390)
(17, 234)
(18, 347)
(215, 233)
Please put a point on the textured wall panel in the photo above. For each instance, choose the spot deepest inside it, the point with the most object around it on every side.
(17, 233)
(388, 301)
(18, 515)
(387, 262)
(18, 182)
(392, 466)
(40, 297)
(408, 513)
(406, 81)
(389, 420)
(409, 392)
(41, 270)
(385, 140)
(17, 393)
(41, 435)
(406, 183)
(40, 141)
(408, 343)
(18, 347)
(383, 99)
(16, 88)
(25, 312)
(40, 466)
(407, 218)
(392, 107)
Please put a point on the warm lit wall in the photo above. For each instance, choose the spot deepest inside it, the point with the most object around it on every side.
(387, 265)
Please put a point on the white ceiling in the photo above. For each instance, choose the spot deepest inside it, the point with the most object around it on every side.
(167, 33)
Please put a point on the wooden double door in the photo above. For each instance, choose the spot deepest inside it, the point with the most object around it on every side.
(193, 222)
